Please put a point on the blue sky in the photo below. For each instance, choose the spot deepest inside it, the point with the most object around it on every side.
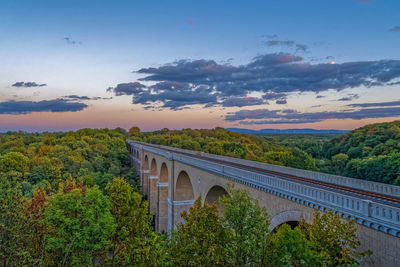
(82, 48)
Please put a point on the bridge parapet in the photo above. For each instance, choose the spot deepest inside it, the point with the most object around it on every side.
(381, 216)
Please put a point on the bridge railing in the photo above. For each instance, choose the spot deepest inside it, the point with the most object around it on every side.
(367, 212)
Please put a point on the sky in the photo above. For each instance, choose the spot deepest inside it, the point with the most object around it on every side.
(65, 65)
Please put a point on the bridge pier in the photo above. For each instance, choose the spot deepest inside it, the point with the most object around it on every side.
(162, 207)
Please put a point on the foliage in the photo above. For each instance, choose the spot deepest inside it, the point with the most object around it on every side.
(248, 223)
(223, 142)
(79, 223)
(47, 159)
(370, 153)
(289, 247)
(132, 238)
(333, 240)
(12, 223)
(201, 240)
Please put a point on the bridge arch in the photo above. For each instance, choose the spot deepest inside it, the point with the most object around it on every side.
(183, 187)
(162, 203)
(146, 163)
(164, 173)
(153, 167)
(214, 193)
(291, 217)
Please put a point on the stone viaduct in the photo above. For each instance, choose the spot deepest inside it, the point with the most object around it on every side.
(174, 178)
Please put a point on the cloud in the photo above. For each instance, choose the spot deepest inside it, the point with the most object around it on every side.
(242, 101)
(25, 107)
(378, 104)
(176, 95)
(189, 21)
(350, 97)
(127, 88)
(274, 96)
(395, 29)
(275, 76)
(288, 43)
(69, 41)
(76, 97)
(265, 116)
(281, 102)
(28, 84)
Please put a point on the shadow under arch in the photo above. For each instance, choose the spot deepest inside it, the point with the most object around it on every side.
(146, 163)
(183, 188)
(290, 217)
(213, 195)
(153, 168)
(164, 173)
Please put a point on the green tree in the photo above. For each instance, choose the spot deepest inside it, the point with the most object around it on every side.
(339, 162)
(132, 238)
(249, 225)
(201, 240)
(334, 240)
(289, 247)
(12, 223)
(80, 223)
(14, 161)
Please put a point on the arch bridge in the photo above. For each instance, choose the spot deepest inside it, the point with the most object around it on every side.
(174, 178)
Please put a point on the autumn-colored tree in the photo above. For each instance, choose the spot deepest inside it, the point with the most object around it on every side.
(134, 132)
(37, 230)
(249, 225)
(334, 240)
(201, 240)
(132, 237)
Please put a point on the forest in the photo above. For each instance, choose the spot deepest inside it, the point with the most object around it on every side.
(70, 199)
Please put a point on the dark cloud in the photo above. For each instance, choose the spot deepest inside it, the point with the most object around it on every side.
(265, 116)
(242, 101)
(25, 107)
(127, 88)
(350, 97)
(274, 96)
(76, 97)
(187, 82)
(176, 95)
(69, 41)
(288, 43)
(395, 29)
(281, 102)
(378, 104)
(320, 96)
(28, 84)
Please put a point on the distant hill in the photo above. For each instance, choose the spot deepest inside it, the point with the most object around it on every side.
(371, 153)
(287, 131)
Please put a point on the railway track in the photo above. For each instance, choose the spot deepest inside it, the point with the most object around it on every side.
(382, 198)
